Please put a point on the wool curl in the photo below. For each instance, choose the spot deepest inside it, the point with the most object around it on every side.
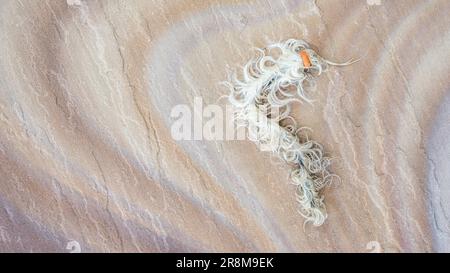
(262, 96)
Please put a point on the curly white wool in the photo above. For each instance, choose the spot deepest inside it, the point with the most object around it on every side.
(269, 83)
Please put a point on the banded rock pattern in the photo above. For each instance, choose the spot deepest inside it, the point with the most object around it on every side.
(86, 153)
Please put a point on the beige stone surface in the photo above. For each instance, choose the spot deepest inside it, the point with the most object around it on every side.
(87, 157)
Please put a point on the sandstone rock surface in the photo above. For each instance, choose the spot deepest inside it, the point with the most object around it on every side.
(88, 163)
